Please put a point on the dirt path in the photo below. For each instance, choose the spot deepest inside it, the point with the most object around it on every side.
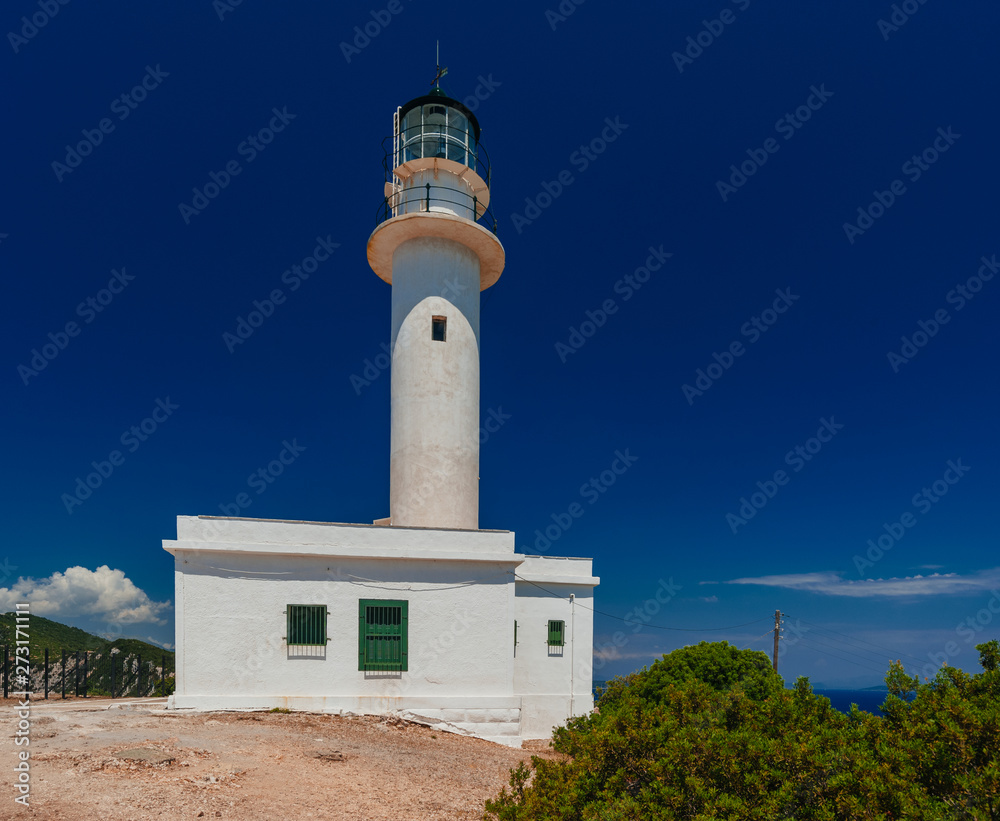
(269, 766)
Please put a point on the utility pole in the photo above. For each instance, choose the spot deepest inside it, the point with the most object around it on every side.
(777, 633)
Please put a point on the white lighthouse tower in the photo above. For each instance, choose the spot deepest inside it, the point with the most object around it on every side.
(430, 618)
(437, 258)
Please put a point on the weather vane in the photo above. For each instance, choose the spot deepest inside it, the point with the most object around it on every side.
(441, 71)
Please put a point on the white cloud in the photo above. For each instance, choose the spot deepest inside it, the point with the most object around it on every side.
(102, 593)
(709, 599)
(832, 583)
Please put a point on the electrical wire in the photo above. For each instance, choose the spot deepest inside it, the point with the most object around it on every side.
(847, 661)
(380, 584)
(644, 624)
(893, 653)
(409, 589)
(865, 659)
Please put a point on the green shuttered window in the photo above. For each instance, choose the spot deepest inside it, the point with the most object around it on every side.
(382, 629)
(306, 625)
(556, 633)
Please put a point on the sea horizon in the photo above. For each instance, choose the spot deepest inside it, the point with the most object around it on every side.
(868, 699)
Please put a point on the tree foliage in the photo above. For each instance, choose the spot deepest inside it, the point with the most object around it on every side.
(709, 732)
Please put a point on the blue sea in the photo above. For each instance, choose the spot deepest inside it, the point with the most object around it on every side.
(867, 700)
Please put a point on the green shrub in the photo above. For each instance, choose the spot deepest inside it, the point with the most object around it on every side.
(707, 732)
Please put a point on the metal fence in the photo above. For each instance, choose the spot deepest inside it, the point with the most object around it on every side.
(88, 673)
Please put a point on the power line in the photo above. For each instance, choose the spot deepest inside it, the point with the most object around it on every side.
(644, 624)
(893, 653)
(845, 660)
(865, 659)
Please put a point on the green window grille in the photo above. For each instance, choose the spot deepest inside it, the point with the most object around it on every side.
(557, 632)
(306, 625)
(382, 633)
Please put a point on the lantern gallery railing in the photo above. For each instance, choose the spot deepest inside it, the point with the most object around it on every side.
(434, 199)
(444, 143)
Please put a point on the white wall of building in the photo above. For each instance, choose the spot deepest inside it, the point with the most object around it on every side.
(434, 440)
(555, 683)
(234, 579)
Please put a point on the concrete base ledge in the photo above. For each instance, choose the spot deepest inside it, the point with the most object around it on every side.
(496, 719)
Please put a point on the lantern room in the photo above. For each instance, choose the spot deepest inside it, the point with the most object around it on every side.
(436, 126)
(436, 163)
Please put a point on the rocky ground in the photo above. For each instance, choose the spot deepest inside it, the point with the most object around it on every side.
(107, 761)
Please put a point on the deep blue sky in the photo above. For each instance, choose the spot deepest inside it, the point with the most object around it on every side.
(550, 86)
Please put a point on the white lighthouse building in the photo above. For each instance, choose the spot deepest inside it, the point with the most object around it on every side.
(421, 613)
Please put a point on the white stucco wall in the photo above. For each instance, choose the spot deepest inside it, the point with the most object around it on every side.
(555, 683)
(339, 538)
(235, 577)
(234, 614)
(434, 438)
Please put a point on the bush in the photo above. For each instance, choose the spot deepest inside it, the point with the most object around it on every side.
(705, 733)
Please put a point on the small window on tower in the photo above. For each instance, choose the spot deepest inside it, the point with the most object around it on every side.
(439, 325)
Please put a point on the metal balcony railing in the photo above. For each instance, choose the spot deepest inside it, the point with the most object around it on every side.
(429, 198)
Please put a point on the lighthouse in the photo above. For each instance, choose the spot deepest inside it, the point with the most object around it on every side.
(421, 614)
(430, 247)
